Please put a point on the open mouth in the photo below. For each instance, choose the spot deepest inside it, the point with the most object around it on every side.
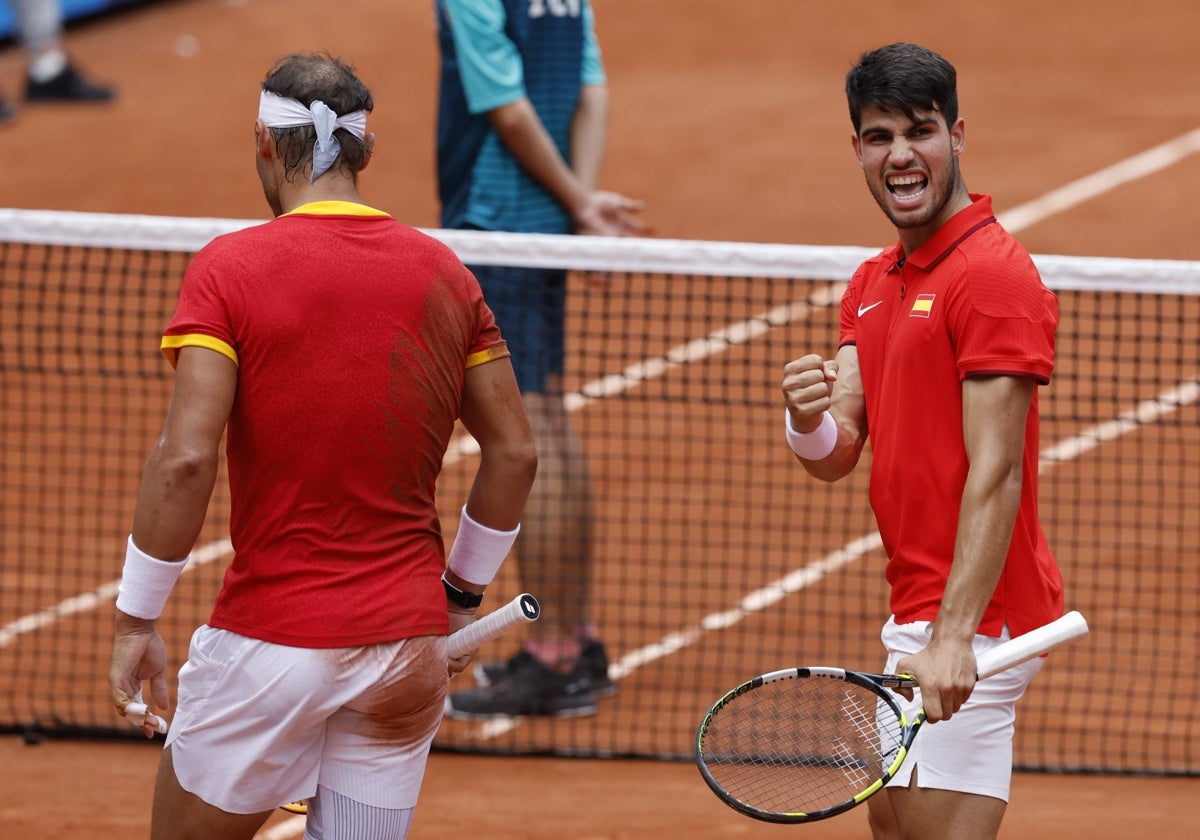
(907, 187)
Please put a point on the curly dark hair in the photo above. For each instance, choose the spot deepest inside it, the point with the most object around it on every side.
(901, 78)
(309, 77)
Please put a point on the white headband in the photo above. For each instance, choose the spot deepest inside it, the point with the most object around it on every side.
(285, 112)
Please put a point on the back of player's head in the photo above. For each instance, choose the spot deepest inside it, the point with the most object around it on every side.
(902, 78)
(318, 77)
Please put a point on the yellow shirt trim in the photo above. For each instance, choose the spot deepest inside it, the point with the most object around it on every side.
(489, 354)
(335, 208)
(171, 345)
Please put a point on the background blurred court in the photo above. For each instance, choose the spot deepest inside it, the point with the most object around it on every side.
(728, 118)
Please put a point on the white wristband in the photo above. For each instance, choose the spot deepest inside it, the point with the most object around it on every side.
(478, 550)
(814, 445)
(146, 583)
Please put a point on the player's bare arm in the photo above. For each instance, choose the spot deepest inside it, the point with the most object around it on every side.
(182, 468)
(177, 483)
(596, 211)
(492, 412)
(589, 133)
(995, 411)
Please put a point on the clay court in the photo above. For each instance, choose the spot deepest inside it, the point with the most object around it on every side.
(728, 119)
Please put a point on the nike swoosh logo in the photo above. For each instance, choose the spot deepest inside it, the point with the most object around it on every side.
(863, 310)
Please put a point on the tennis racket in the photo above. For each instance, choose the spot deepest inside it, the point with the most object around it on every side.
(804, 744)
(520, 610)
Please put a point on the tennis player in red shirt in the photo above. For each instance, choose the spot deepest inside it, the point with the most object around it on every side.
(945, 338)
(335, 348)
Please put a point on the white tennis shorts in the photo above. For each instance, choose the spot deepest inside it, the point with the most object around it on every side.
(972, 751)
(258, 725)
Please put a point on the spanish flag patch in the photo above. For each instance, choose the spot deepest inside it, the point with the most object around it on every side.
(922, 306)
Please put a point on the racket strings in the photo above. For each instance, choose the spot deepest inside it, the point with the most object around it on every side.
(801, 745)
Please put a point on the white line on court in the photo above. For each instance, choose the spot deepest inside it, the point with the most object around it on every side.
(1075, 193)
(103, 593)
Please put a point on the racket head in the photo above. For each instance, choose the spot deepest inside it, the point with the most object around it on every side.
(802, 744)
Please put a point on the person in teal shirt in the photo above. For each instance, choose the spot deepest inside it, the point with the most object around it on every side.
(522, 123)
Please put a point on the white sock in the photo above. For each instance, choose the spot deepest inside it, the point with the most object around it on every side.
(332, 816)
(46, 65)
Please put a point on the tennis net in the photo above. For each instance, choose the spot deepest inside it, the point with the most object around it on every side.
(717, 557)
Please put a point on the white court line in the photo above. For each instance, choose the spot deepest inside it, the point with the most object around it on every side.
(1131, 169)
(102, 594)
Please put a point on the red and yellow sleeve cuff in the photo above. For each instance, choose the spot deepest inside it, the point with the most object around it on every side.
(488, 354)
(171, 345)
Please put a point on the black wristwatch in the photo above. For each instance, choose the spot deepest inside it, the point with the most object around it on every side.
(466, 600)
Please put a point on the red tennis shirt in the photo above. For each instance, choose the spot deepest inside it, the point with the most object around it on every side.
(351, 333)
(968, 302)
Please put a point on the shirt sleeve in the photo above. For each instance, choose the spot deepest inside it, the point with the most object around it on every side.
(488, 344)
(201, 316)
(1003, 321)
(593, 62)
(489, 63)
(847, 320)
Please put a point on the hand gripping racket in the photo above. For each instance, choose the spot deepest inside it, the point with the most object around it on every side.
(520, 610)
(803, 744)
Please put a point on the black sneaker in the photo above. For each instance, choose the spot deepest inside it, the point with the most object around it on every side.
(67, 86)
(593, 662)
(7, 112)
(527, 687)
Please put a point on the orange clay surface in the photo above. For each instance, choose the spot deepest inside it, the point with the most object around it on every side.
(728, 119)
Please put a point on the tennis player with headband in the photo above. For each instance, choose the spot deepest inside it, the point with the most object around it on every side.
(945, 338)
(335, 348)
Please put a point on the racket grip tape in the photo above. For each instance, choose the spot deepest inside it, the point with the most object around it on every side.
(1034, 643)
(520, 610)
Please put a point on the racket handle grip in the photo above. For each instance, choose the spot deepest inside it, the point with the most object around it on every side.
(1034, 643)
(520, 610)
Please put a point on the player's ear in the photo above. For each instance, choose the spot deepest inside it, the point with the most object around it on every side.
(856, 144)
(958, 136)
(264, 142)
(368, 149)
